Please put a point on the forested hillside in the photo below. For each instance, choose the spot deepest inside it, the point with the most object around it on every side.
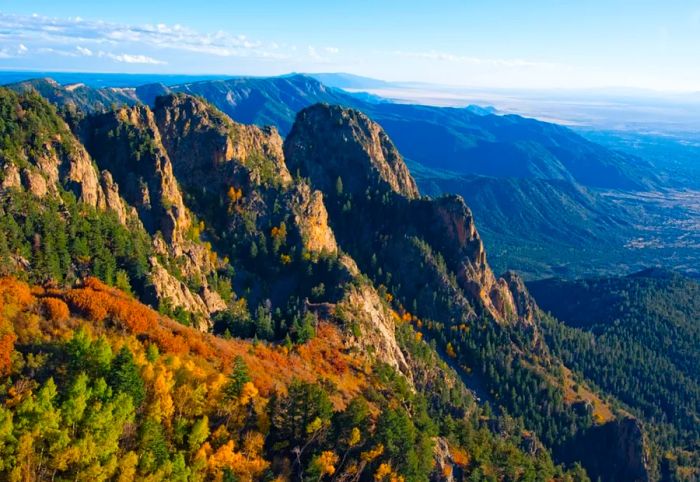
(189, 298)
(636, 338)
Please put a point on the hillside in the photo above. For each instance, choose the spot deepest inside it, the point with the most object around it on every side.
(238, 235)
(534, 170)
(95, 385)
(635, 337)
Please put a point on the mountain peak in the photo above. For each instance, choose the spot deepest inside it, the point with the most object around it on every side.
(349, 146)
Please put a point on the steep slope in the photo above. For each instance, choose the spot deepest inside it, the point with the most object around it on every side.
(521, 157)
(40, 154)
(273, 226)
(353, 162)
(126, 142)
(453, 139)
(430, 257)
(46, 166)
(95, 385)
(636, 337)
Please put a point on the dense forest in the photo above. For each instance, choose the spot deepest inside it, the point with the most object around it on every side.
(637, 338)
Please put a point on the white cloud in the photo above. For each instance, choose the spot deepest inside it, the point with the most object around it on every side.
(135, 59)
(84, 51)
(13, 52)
(332, 50)
(313, 53)
(57, 31)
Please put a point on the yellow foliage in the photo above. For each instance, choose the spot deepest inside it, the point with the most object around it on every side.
(162, 406)
(419, 336)
(234, 195)
(243, 467)
(450, 351)
(248, 393)
(325, 463)
(285, 259)
(384, 472)
(127, 467)
(373, 453)
(279, 232)
(354, 437)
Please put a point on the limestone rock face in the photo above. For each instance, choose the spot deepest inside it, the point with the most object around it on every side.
(352, 161)
(312, 218)
(113, 200)
(10, 177)
(127, 143)
(169, 288)
(364, 306)
(202, 141)
(347, 145)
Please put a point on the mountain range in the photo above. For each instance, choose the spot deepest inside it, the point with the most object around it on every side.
(550, 168)
(232, 304)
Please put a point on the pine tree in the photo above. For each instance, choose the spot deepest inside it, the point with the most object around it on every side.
(237, 379)
(125, 377)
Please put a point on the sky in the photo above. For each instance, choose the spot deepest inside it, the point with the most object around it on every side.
(530, 44)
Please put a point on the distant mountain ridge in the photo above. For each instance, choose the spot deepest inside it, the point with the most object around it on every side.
(532, 171)
(451, 139)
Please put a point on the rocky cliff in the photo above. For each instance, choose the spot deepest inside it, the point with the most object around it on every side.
(612, 452)
(369, 187)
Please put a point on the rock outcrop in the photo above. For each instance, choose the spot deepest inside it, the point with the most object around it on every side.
(350, 147)
(364, 307)
(206, 145)
(353, 162)
(311, 217)
(127, 144)
(612, 452)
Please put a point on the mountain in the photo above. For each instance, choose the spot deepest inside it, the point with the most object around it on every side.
(349, 81)
(187, 296)
(453, 139)
(540, 226)
(78, 95)
(429, 256)
(530, 169)
(636, 337)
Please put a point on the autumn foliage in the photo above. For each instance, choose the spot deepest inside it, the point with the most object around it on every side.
(55, 308)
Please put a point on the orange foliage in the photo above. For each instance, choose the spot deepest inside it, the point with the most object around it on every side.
(55, 309)
(14, 296)
(7, 344)
(271, 367)
(460, 456)
(97, 300)
(15, 292)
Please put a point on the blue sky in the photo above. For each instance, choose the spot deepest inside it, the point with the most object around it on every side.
(475, 43)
